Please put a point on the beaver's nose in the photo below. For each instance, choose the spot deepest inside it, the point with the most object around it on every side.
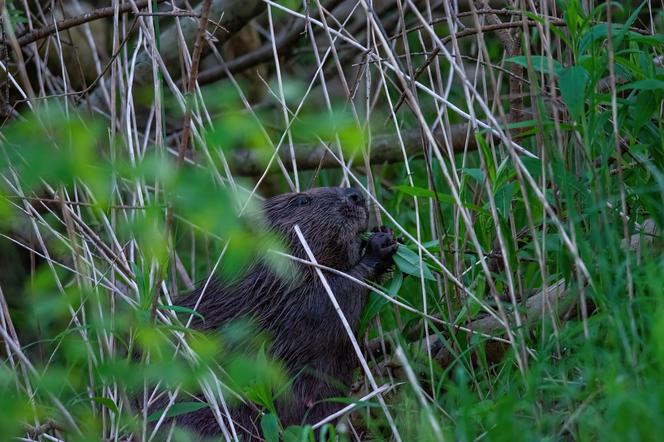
(354, 196)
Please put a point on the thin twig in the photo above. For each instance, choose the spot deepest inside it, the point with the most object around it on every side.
(64, 24)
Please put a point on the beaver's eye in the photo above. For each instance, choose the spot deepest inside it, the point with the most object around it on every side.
(302, 200)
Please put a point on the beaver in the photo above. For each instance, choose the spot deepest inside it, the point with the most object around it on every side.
(307, 335)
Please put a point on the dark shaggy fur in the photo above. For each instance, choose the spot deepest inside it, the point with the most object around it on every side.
(307, 334)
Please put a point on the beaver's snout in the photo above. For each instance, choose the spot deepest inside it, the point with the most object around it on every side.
(354, 208)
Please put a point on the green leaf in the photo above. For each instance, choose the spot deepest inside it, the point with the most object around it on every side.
(540, 63)
(376, 302)
(409, 262)
(556, 30)
(630, 21)
(650, 40)
(505, 172)
(328, 433)
(475, 174)
(597, 32)
(649, 84)
(601, 31)
(488, 157)
(106, 402)
(177, 409)
(296, 433)
(395, 284)
(573, 81)
(572, 16)
(644, 106)
(181, 309)
(261, 391)
(424, 193)
(469, 310)
(270, 427)
(533, 166)
(504, 197)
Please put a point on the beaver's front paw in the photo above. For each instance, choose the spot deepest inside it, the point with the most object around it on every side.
(381, 246)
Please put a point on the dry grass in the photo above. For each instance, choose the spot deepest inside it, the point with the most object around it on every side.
(501, 186)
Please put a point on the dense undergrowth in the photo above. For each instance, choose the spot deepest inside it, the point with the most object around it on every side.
(566, 200)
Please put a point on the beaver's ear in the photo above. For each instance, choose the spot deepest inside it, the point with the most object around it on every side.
(301, 200)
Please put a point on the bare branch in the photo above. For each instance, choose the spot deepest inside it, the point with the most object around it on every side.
(62, 25)
(226, 18)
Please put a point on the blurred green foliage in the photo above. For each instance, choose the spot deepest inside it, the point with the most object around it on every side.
(94, 349)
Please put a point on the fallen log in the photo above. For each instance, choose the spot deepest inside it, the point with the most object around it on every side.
(384, 149)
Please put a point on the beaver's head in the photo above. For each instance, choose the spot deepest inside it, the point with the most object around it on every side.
(331, 219)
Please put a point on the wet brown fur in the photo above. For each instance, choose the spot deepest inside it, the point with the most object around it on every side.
(306, 332)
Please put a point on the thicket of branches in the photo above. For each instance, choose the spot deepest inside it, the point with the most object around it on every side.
(517, 146)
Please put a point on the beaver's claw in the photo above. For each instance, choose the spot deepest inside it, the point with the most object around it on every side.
(381, 246)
